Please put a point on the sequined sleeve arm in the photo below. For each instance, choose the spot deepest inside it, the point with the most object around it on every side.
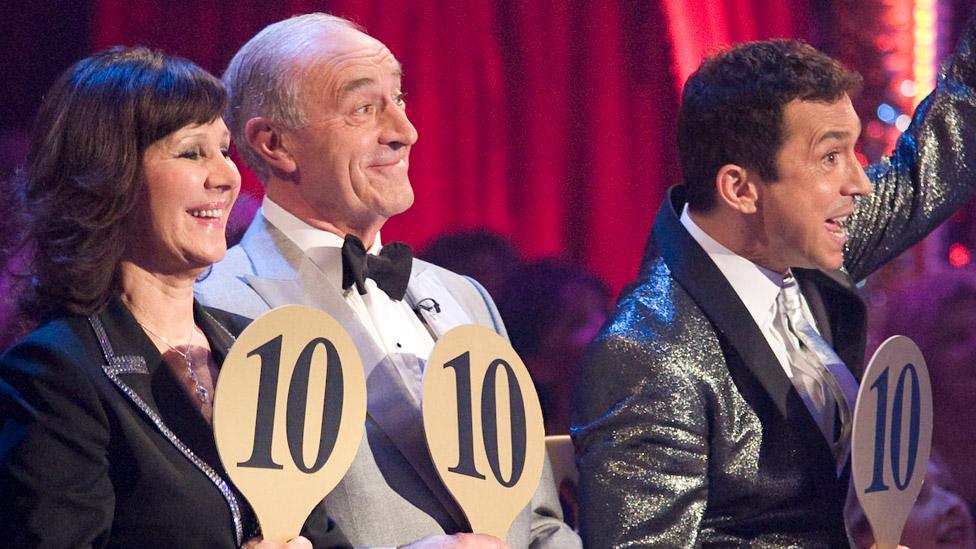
(931, 173)
(641, 441)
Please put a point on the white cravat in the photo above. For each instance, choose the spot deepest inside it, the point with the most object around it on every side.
(812, 355)
(393, 325)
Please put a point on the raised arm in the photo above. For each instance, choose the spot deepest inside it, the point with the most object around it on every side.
(931, 173)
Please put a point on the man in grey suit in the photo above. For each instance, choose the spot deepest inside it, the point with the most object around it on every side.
(316, 110)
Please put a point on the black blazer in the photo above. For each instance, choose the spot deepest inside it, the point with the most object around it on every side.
(100, 446)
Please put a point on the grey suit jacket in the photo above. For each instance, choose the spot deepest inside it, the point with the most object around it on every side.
(391, 494)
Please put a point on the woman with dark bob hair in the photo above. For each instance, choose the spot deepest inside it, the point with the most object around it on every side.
(105, 408)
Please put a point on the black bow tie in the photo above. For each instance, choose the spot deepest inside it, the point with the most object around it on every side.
(390, 269)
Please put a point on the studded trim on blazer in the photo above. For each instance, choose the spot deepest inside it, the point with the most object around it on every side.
(218, 325)
(116, 365)
(127, 365)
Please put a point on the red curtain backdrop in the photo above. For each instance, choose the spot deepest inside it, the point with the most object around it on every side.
(551, 122)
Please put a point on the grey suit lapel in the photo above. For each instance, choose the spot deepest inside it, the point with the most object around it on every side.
(434, 304)
(308, 287)
(270, 252)
(386, 396)
(284, 275)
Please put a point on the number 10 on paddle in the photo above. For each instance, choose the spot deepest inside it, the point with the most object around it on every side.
(289, 413)
(483, 425)
(892, 436)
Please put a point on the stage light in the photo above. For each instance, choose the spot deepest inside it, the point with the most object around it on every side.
(923, 65)
(886, 113)
(958, 255)
(923, 13)
(924, 38)
(902, 122)
(908, 88)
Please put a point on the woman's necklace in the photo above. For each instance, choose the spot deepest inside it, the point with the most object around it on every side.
(198, 389)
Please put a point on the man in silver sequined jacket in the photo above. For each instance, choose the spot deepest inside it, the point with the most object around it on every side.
(691, 425)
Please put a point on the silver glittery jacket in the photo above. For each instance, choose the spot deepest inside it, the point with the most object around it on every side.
(687, 430)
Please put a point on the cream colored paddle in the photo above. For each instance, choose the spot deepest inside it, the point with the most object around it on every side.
(892, 437)
(289, 414)
(483, 425)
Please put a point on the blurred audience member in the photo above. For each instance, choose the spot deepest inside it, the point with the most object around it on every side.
(13, 151)
(939, 313)
(487, 257)
(552, 309)
(13, 326)
(940, 518)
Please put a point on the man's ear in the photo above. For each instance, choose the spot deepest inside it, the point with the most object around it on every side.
(265, 139)
(737, 188)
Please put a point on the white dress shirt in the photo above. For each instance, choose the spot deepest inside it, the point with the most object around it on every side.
(393, 325)
(758, 288)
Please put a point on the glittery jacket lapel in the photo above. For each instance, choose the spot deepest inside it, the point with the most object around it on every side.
(716, 298)
(687, 430)
(132, 359)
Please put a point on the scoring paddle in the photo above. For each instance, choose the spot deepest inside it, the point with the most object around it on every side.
(289, 414)
(892, 437)
(483, 424)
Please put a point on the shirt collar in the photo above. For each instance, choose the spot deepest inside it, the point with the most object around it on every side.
(303, 235)
(756, 286)
(322, 247)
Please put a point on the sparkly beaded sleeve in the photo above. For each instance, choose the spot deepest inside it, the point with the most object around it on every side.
(930, 174)
(641, 421)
